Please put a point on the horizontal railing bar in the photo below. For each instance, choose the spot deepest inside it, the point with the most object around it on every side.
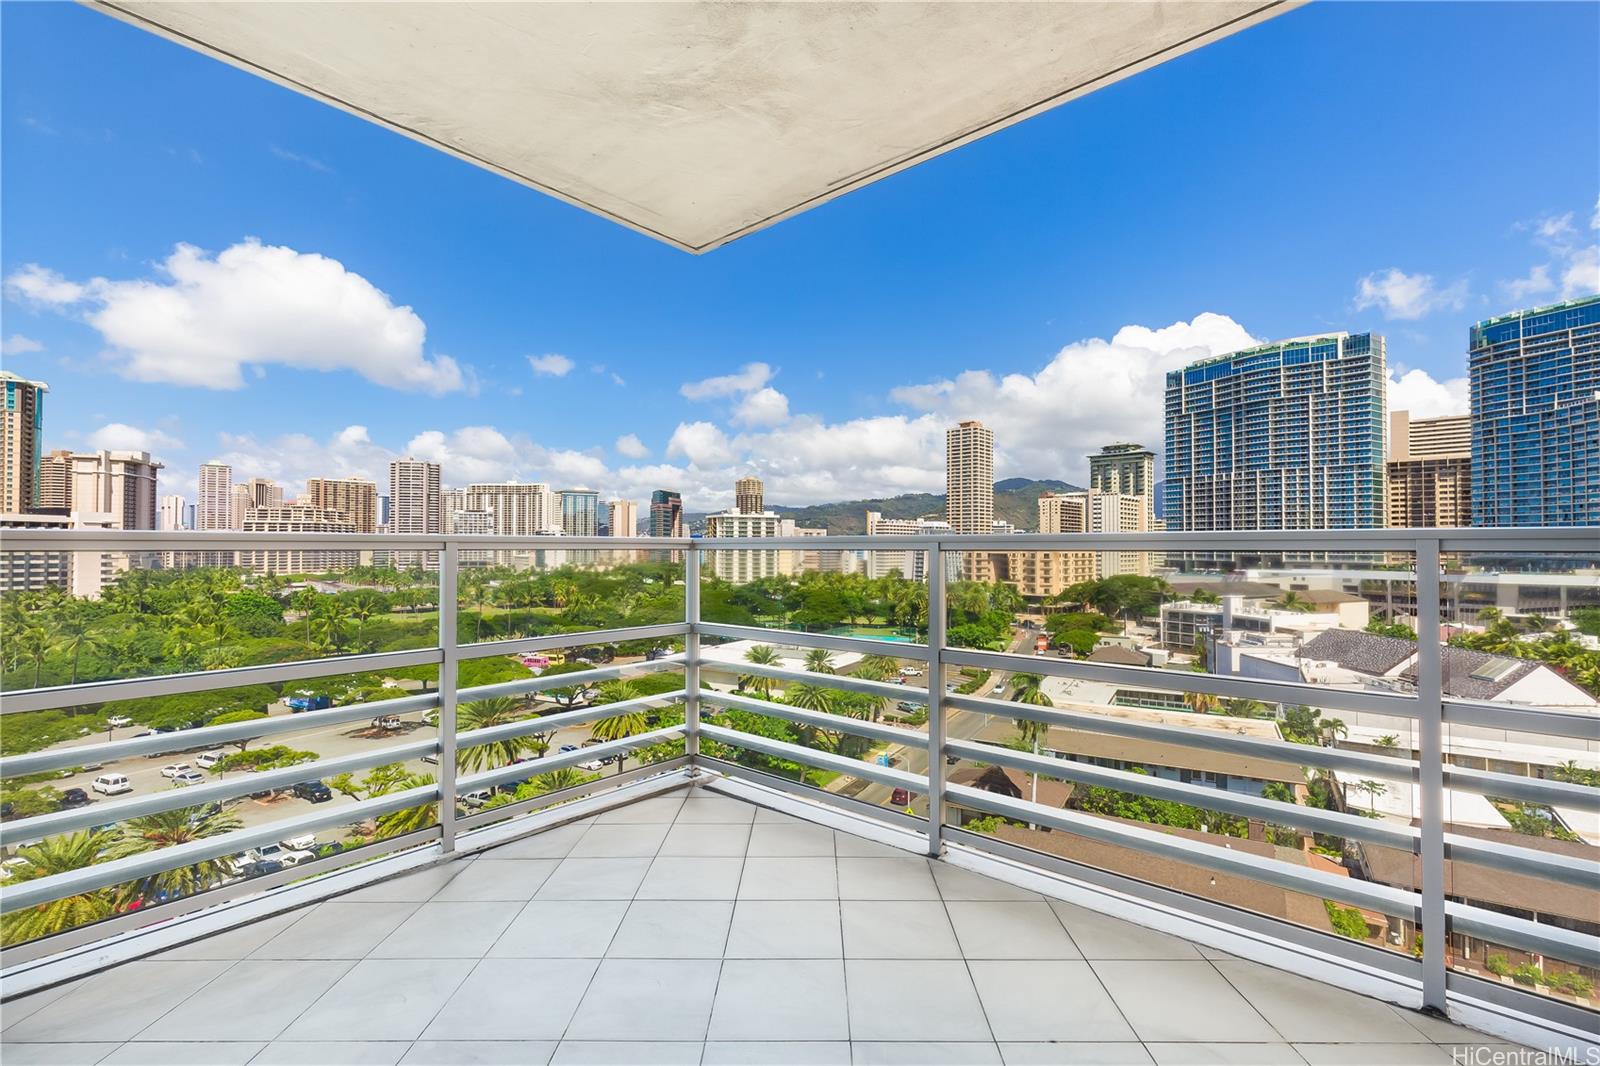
(552, 641)
(812, 794)
(1510, 858)
(243, 784)
(865, 645)
(1353, 827)
(135, 867)
(1574, 724)
(182, 740)
(1530, 789)
(551, 799)
(551, 763)
(1146, 677)
(821, 760)
(836, 722)
(137, 540)
(1387, 768)
(583, 678)
(549, 723)
(1382, 898)
(1568, 945)
(134, 688)
(839, 681)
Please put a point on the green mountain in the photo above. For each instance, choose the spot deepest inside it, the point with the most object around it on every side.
(1015, 501)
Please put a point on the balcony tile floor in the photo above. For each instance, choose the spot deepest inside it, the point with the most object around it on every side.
(695, 928)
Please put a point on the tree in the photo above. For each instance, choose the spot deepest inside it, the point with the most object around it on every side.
(1202, 702)
(273, 758)
(411, 819)
(1291, 601)
(305, 601)
(1028, 691)
(56, 855)
(819, 661)
(362, 607)
(168, 829)
(229, 717)
(1373, 789)
(1390, 741)
(877, 667)
(482, 714)
(760, 655)
(618, 726)
(74, 634)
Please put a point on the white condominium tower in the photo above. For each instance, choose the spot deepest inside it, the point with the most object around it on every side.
(1127, 469)
(969, 477)
(520, 509)
(414, 506)
(172, 513)
(622, 516)
(356, 497)
(213, 506)
(119, 484)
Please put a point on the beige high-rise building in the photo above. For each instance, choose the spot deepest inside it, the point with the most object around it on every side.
(240, 503)
(521, 509)
(748, 564)
(213, 505)
(356, 497)
(1429, 471)
(747, 495)
(622, 517)
(1094, 511)
(1129, 470)
(414, 507)
(264, 492)
(969, 492)
(55, 481)
(297, 519)
(908, 563)
(121, 484)
(21, 433)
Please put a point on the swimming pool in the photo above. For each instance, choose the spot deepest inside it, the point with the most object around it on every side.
(884, 633)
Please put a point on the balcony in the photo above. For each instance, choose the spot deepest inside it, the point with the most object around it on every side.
(930, 864)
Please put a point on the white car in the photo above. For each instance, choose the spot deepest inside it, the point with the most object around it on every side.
(111, 785)
(306, 842)
(592, 765)
(278, 853)
(118, 721)
(998, 690)
(206, 760)
(478, 797)
(188, 777)
(175, 769)
(910, 671)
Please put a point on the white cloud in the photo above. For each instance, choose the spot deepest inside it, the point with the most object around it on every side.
(1400, 295)
(1573, 269)
(1522, 290)
(472, 453)
(118, 436)
(702, 444)
(630, 446)
(203, 320)
(1594, 219)
(1581, 276)
(553, 365)
(750, 377)
(764, 407)
(1554, 227)
(1418, 392)
(309, 162)
(17, 344)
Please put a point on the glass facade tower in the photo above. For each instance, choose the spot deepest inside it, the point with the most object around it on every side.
(1536, 416)
(1285, 436)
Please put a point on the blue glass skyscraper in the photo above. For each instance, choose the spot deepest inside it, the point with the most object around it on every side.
(1285, 436)
(1536, 416)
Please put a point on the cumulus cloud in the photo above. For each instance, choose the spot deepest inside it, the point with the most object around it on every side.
(750, 377)
(202, 320)
(1409, 296)
(1581, 275)
(764, 407)
(1420, 393)
(552, 365)
(119, 436)
(17, 344)
(630, 446)
(702, 444)
(1572, 268)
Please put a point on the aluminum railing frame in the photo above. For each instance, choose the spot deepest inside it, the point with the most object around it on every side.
(1426, 705)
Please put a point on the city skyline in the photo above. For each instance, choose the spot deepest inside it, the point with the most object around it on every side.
(817, 399)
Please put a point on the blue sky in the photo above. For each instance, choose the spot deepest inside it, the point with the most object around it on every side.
(1406, 168)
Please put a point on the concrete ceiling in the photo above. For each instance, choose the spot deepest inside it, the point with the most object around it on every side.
(695, 123)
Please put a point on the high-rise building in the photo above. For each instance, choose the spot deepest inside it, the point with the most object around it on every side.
(172, 513)
(747, 495)
(1129, 470)
(521, 509)
(969, 477)
(241, 501)
(1288, 435)
(1536, 416)
(471, 523)
(55, 482)
(580, 512)
(414, 507)
(1095, 511)
(83, 574)
(264, 492)
(121, 484)
(297, 519)
(749, 564)
(623, 518)
(666, 514)
(21, 435)
(1429, 471)
(213, 507)
(908, 563)
(356, 497)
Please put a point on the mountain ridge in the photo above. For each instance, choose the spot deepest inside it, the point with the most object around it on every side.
(1015, 501)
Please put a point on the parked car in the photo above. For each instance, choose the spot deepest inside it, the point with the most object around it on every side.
(592, 765)
(74, 797)
(279, 854)
(315, 791)
(174, 769)
(567, 747)
(111, 784)
(118, 721)
(910, 671)
(188, 777)
(900, 797)
(207, 759)
(477, 798)
(297, 704)
(998, 690)
(431, 757)
(387, 721)
(908, 706)
(304, 842)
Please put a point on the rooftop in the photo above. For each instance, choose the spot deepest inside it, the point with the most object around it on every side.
(696, 927)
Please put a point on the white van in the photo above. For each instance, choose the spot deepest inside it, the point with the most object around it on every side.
(111, 784)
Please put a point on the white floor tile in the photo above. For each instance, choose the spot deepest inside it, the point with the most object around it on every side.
(56, 1054)
(621, 841)
(956, 883)
(1100, 936)
(332, 1053)
(183, 1053)
(785, 929)
(673, 929)
(338, 929)
(990, 929)
(553, 843)
(917, 1053)
(776, 1053)
(687, 877)
(595, 879)
(647, 999)
(381, 999)
(238, 942)
(493, 879)
(417, 887)
(447, 930)
(891, 877)
(479, 1053)
(662, 809)
(1222, 1054)
(1027, 999)
(702, 809)
(897, 929)
(627, 1053)
(254, 1000)
(766, 878)
(706, 840)
(116, 1004)
(1182, 1001)
(1304, 1011)
(514, 999)
(1368, 1054)
(1076, 1053)
(800, 838)
(561, 928)
(780, 999)
(947, 1006)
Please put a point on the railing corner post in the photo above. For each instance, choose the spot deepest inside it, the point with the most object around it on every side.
(449, 572)
(691, 658)
(936, 721)
(1430, 783)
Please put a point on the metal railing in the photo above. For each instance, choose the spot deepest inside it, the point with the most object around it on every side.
(1428, 905)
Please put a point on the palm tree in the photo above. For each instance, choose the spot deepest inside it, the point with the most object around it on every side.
(1202, 702)
(168, 829)
(1291, 601)
(877, 667)
(760, 655)
(1388, 740)
(617, 726)
(362, 606)
(398, 823)
(305, 601)
(819, 661)
(481, 714)
(476, 593)
(55, 855)
(331, 620)
(1330, 730)
(1028, 691)
(73, 635)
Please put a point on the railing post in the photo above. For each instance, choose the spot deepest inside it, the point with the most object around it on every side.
(449, 572)
(936, 625)
(1430, 745)
(691, 657)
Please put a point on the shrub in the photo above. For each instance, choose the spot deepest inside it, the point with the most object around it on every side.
(1346, 921)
